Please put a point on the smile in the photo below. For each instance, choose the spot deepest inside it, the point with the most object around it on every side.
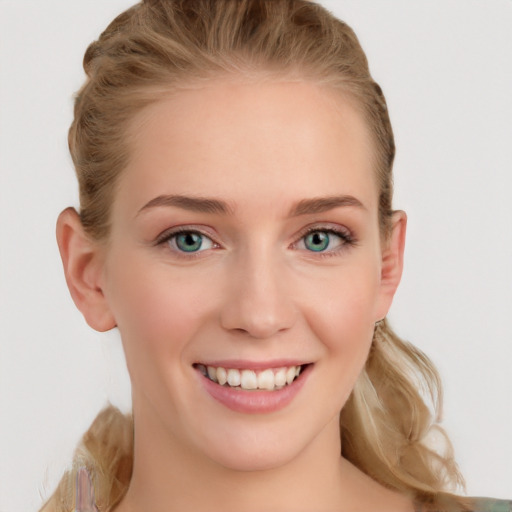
(269, 379)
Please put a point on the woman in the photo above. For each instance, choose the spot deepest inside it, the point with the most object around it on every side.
(234, 161)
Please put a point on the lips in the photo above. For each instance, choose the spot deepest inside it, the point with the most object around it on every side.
(256, 389)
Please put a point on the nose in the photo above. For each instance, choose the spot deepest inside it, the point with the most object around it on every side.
(258, 301)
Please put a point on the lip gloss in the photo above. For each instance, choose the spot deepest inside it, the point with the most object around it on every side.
(255, 401)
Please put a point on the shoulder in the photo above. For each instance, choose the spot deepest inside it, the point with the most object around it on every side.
(492, 505)
(467, 504)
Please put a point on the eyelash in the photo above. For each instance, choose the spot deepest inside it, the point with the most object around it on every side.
(348, 240)
(167, 236)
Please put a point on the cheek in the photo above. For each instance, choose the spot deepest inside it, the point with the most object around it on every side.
(157, 309)
(340, 314)
(342, 308)
(342, 317)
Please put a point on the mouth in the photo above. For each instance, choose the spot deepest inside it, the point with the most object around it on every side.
(266, 379)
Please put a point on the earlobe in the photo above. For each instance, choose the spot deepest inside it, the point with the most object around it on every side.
(82, 261)
(392, 262)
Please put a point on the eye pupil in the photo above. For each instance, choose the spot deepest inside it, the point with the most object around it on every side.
(317, 241)
(189, 242)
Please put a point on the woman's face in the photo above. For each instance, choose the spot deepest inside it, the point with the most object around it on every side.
(245, 244)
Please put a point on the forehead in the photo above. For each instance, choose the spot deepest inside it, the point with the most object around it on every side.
(265, 141)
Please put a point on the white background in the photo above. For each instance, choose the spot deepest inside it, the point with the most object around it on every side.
(446, 69)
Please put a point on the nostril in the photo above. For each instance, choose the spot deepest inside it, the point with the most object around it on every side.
(258, 311)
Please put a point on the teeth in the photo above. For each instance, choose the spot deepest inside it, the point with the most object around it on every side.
(269, 379)
(234, 378)
(280, 377)
(222, 376)
(290, 374)
(212, 373)
(248, 379)
(266, 380)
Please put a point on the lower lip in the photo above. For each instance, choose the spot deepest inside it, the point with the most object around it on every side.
(255, 402)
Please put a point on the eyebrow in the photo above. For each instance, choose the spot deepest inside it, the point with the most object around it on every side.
(195, 204)
(323, 204)
(211, 205)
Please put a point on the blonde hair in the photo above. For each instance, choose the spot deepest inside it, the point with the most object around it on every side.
(160, 46)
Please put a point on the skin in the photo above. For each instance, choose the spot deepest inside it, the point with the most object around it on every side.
(256, 292)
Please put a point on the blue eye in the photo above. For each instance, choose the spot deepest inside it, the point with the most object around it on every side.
(317, 241)
(324, 240)
(188, 241)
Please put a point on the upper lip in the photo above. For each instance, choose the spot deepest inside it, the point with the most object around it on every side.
(243, 364)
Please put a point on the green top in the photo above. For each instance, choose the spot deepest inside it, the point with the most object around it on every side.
(482, 505)
(492, 505)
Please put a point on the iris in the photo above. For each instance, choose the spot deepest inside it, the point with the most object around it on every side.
(317, 241)
(189, 242)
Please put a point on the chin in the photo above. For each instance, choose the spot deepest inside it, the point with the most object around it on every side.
(261, 449)
(253, 460)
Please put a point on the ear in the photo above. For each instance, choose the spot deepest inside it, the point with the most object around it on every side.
(82, 259)
(392, 263)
